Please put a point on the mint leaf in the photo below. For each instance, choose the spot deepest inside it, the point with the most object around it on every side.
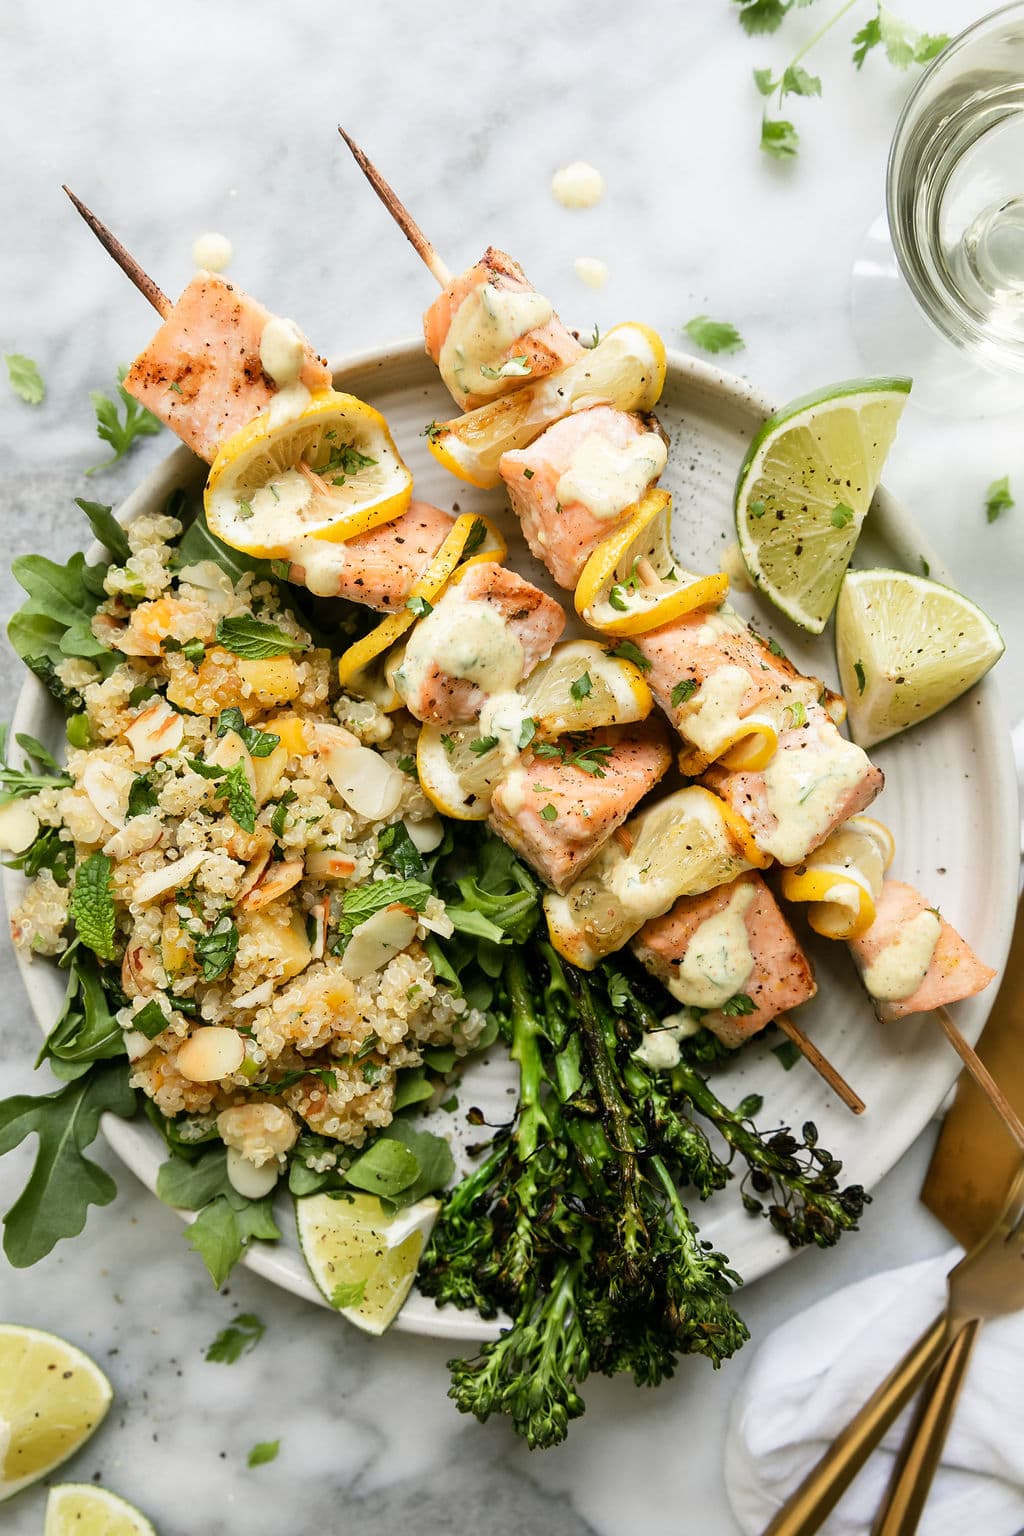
(217, 949)
(259, 743)
(64, 1183)
(25, 378)
(241, 1336)
(714, 335)
(365, 900)
(235, 789)
(92, 905)
(253, 640)
(150, 1020)
(398, 849)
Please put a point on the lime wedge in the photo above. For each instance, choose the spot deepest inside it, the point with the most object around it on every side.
(906, 648)
(363, 1259)
(52, 1397)
(805, 488)
(82, 1509)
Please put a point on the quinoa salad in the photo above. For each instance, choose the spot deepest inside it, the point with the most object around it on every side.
(226, 801)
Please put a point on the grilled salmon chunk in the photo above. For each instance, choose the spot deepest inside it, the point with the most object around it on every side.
(597, 782)
(952, 972)
(201, 373)
(778, 973)
(378, 568)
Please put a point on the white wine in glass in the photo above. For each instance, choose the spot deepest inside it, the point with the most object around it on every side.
(939, 288)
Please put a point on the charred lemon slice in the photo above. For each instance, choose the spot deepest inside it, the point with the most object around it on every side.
(458, 769)
(330, 471)
(631, 583)
(842, 879)
(626, 369)
(581, 687)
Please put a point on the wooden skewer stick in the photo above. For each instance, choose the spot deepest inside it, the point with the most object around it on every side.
(125, 260)
(398, 211)
(820, 1063)
(983, 1077)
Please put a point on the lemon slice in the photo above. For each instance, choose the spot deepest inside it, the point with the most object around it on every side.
(330, 471)
(52, 1398)
(685, 844)
(363, 1260)
(581, 687)
(631, 583)
(363, 669)
(455, 778)
(907, 647)
(805, 488)
(626, 369)
(842, 879)
(82, 1509)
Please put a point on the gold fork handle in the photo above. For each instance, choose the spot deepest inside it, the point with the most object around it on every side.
(827, 1481)
(921, 1452)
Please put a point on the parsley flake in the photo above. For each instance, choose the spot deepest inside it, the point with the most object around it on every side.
(548, 812)
(683, 690)
(714, 335)
(998, 499)
(24, 378)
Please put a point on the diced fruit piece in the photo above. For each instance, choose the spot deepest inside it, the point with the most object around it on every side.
(906, 648)
(273, 679)
(363, 1259)
(805, 488)
(280, 935)
(377, 940)
(52, 1398)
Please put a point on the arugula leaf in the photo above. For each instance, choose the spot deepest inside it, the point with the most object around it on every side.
(92, 905)
(197, 544)
(411, 1087)
(191, 1185)
(106, 529)
(432, 1153)
(253, 640)
(266, 1451)
(779, 138)
(63, 1183)
(998, 499)
(15, 783)
(55, 621)
(34, 749)
(138, 422)
(86, 1030)
(47, 851)
(223, 1230)
(787, 1054)
(24, 378)
(398, 849)
(259, 743)
(386, 1168)
(217, 949)
(365, 900)
(714, 335)
(242, 1335)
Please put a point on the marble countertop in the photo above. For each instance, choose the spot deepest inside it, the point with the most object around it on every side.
(223, 118)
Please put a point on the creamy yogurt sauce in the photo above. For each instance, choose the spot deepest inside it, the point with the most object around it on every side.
(719, 622)
(718, 962)
(591, 270)
(578, 185)
(659, 1048)
(712, 716)
(802, 790)
(487, 323)
(607, 479)
(282, 351)
(289, 403)
(465, 639)
(212, 252)
(322, 560)
(503, 715)
(899, 969)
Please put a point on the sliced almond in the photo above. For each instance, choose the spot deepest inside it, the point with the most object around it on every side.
(257, 998)
(378, 940)
(211, 1054)
(325, 864)
(321, 916)
(228, 751)
(268, 771)
(323, 737)
(275, 880)
(425, 835)
(108, 786)
(366, 783)
(248, 1180)
(159, 729)
(19, 827)
(254, 873)
(158, 882)
(138, 971)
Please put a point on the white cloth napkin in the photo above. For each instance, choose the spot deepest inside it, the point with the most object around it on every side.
(810, 1376)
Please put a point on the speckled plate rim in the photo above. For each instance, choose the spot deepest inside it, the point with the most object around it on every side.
(142, 1152)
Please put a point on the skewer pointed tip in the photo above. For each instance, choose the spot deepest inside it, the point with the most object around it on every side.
(821, 1064)
(125, 260)
(398, 211)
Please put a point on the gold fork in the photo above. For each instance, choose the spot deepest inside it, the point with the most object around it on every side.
(988, 1282)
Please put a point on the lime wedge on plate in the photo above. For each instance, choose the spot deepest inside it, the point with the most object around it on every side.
(52, 1397)
(805, 488)
(906, 648)
(82, 1509)
(363, 1259)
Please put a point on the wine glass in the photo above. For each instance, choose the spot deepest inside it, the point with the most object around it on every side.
(938, 289)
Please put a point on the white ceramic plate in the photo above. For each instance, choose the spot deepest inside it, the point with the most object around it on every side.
(950, 799)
